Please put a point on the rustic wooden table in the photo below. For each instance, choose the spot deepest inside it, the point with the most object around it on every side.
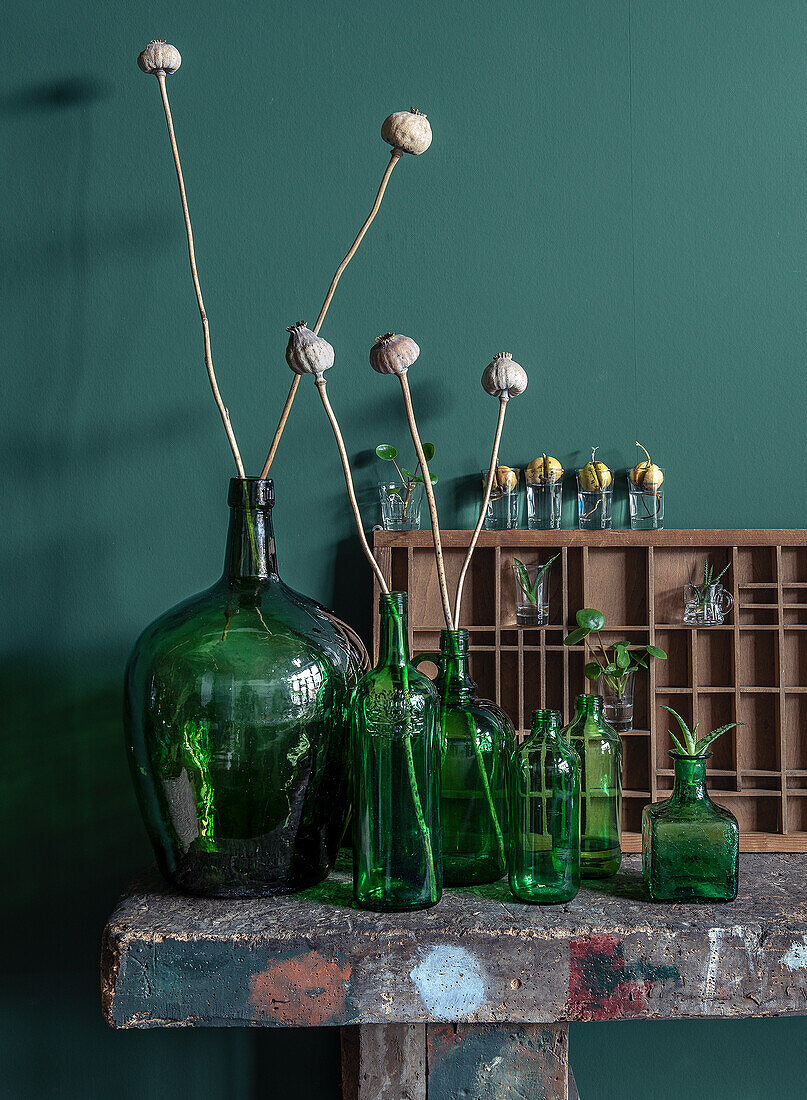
(475, 994)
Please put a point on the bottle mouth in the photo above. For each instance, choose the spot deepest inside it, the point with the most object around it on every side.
(704, 756)
(252, 492)
(396, 600)
(454, 641)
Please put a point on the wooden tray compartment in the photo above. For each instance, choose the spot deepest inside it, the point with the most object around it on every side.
(752, 669)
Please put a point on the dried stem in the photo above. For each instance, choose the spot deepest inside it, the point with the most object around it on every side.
(485, 500)
(284, 416)
(427, 484)
(340, 443)
(211, 374)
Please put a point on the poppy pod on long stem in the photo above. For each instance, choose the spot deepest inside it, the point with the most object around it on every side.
(395, 354)
(407, 132)
(502, 378)
(308, 353)
(160, 59)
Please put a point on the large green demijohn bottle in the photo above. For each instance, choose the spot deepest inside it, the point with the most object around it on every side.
(237, 723)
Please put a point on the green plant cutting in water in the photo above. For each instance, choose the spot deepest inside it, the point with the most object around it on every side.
(530, 590)
(692, 745)
(709, 581)
(409, 480)
(616, 662)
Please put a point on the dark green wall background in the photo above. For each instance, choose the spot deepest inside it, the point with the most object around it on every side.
(615, 193)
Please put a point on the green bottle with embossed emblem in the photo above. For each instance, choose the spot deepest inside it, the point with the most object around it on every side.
(396, 757)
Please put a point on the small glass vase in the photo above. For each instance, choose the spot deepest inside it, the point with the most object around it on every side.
(504, 507)
(400, 505)
(707, 606)
(600, 752)
(396, 754)
(594, 508)
(529, 613)
(689, 845)
(544, 504)
(478, 739)
(617, 696)
(646, 507)
(544, 856)
(236, 715)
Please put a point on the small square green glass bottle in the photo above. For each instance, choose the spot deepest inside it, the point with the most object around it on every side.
(600, 751)
(690, 845)
(544, 856)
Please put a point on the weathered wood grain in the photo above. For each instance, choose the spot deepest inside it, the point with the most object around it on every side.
(479, 956)
(497, 1061)
(384, 1061)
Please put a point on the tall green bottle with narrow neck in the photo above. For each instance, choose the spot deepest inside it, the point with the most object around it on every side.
(396, 754)
(600, 751)
(544, 858)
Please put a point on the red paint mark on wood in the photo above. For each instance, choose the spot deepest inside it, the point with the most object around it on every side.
(306, 990)
(601, 986)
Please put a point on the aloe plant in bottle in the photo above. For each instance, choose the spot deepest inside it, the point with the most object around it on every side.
(477, 741)
(396, 754)
(544, 857)
(600, 752)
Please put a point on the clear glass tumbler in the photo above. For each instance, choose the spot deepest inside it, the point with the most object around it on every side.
(544, 504)
(532, 599)
(400, 505)
(503, 512)
(617, 696)
(646, 507)
(594, 508)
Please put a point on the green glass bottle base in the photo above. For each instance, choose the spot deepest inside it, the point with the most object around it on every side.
(472, 871)
(380, 901)
(694, 891)
(598, 860)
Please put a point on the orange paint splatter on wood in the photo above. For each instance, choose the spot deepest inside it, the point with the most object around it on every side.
(307, 990)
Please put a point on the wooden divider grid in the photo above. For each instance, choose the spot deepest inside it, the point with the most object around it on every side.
(752, 669)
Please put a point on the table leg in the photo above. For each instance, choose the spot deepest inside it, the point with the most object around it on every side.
(446, 1061)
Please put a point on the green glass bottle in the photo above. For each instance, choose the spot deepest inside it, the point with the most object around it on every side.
(237, 723)
(600, 752)
(689, 845)
(397, 862)
(544, 857)
(477, 738)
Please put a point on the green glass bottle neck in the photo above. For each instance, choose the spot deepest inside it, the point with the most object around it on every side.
(453, 681)
(250, 554)
(546, 726)
(690, 779)
(393, 644)
(589, 706)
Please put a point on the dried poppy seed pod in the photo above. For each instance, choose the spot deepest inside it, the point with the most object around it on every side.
(307, 353)
(159, 57)
(393, 354)
(407, 130)
(504, 377)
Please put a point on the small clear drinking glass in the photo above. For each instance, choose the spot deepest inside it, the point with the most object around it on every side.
(646, 507)
(594, 507)
(504, 504)
(706, 606)
(532, 607)
(544, 504)
(400, 505)
(617, 696)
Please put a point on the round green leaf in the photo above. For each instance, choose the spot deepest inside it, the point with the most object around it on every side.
(622, 656)
(654, 651)
(428, 451)
(576, 636)
(590, 619)
(592, 671)
(386, 451)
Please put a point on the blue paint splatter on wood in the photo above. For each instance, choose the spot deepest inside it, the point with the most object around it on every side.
(450, 982)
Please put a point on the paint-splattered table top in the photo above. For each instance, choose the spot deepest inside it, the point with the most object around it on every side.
(478, 956)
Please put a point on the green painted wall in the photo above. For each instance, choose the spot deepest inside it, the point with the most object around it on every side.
(615, 193)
